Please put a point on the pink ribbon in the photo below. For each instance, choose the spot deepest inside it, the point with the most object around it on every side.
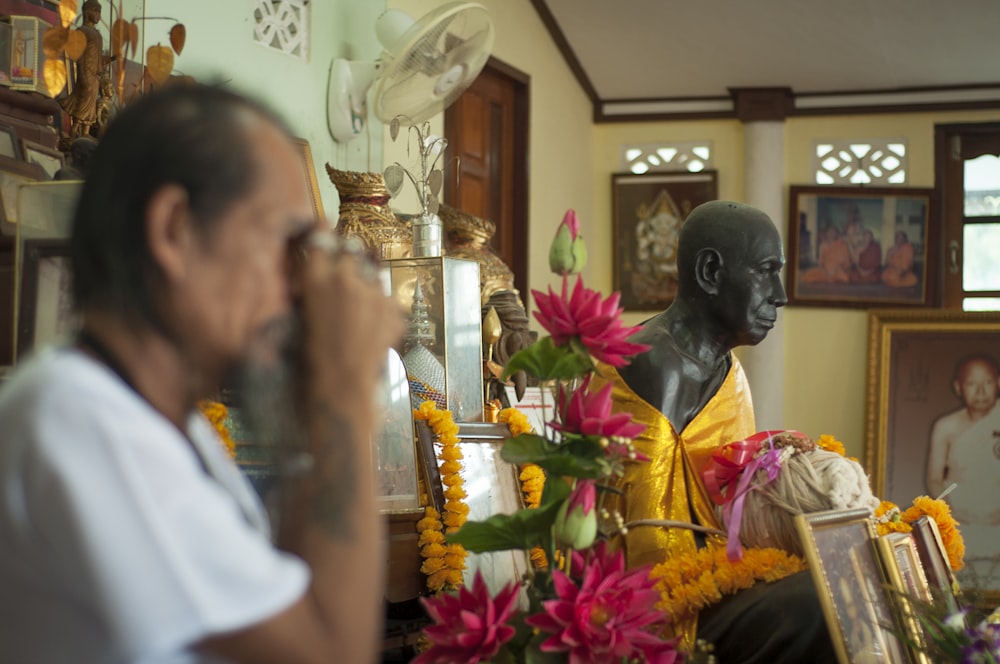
(737, 462)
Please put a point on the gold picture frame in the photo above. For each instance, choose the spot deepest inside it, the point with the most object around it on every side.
(314, 195)
(905, 574)
(914, 358)
(851, 584)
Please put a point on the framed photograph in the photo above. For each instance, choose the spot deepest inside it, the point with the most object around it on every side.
(314, 195)
(932, 421)
(859, 247)
(906, 578)
(9, 143)
(14, 173)
(492, 486)
(50, 159)
(851, 584)
(647, 213)
(45, 300)
(934, 560)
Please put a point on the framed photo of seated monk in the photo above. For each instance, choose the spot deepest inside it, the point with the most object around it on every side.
(648, 211)
(852, 585)
(860, 246)
(932, 424)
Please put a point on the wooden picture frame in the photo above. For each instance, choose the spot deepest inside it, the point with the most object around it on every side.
(50, 159)
(851, 585)
(647, 213)
(45, 302)
(918, 435)
(934, 559)
(860, 246)
(314, 195)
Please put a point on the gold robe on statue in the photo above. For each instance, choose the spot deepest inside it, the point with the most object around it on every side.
(669, 485)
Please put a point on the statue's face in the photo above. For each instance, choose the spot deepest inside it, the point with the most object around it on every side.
(751, 291)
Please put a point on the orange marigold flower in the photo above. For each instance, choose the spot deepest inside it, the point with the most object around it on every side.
(434, 550)
(431, 537)
(432, 565)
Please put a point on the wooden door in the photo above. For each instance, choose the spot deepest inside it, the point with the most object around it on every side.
(487, 130)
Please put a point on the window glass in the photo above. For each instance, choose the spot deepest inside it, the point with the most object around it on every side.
(982, 186)
(981, 257)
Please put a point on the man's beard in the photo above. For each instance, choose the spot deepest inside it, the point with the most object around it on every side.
(264, 388)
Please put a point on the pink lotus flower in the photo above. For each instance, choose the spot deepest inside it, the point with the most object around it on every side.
(576, 522)
(585, 316)
(470, 626)
(568, 253)
(589, 413)
(611, 616)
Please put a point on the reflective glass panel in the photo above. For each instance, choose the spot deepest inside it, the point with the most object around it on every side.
(981, 257)
(982, 186)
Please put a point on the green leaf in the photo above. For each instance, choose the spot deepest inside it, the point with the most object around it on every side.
(578, 457)
(547, 361)
(522, 530)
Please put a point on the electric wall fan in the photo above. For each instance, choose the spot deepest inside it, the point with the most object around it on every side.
(425, 65)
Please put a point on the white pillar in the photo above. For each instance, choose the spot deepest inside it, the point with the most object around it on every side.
(765, 179)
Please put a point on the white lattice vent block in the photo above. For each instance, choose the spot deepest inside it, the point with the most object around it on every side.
(283, 25)
(693, 156)
(868, 161)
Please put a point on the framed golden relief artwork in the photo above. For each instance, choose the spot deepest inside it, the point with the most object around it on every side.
(932, 423)
(647, 213)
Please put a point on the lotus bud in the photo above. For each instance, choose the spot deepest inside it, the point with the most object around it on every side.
(576, 522)
(568, 253)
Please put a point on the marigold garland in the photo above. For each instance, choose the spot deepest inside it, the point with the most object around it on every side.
(216, 413)
(689, 583)
(532, 476)
(443, 563)
(890, 519)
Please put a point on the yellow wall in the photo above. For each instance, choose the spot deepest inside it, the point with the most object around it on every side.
(824, 348)
(571, 161)
(560, 153)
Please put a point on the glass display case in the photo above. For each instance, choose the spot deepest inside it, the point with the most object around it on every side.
(442, 350)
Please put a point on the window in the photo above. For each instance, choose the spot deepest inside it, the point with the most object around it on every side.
(868, 161)
(968, 184)
(694, 157)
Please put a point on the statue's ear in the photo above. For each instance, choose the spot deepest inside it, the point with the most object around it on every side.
(708, 270)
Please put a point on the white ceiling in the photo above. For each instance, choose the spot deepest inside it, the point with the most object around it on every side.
(669, 49)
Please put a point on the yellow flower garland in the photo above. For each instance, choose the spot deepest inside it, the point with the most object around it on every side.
(216, 413)
(889, 518)
(689, 583)
(532, 476)
(443, 563)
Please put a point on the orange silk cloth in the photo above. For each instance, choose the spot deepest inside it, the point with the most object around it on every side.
(669, 485)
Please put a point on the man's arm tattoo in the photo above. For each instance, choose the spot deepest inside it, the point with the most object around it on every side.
(336, 473)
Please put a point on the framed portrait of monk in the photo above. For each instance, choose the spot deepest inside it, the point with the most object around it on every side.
(932, 423)
(647, 213)
(860, 246)
(851, 584)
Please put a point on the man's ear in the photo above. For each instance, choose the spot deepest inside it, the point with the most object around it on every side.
(169, 230)
(708, 270)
